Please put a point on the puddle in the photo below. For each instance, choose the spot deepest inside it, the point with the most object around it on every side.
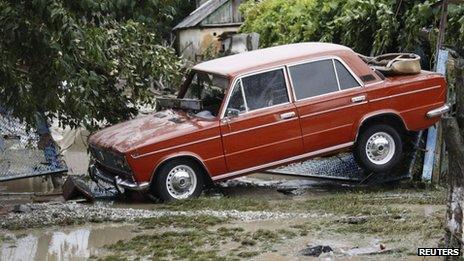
(79, 243)
(37, 184)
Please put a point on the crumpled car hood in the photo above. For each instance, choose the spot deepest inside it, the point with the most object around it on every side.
(144, 130)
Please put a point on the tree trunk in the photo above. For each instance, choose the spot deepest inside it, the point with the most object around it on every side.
(454, 145)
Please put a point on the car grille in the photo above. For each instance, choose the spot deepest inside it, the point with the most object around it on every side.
(110, 160)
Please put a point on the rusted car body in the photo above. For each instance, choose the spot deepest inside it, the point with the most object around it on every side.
(280, 105)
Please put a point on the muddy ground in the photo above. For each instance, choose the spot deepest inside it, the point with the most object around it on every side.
(261, 217)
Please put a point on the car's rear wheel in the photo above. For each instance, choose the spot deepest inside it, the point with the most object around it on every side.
(178, 179)
(379, 148)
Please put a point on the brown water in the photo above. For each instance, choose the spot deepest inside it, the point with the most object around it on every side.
(37, 185)
(75, 243)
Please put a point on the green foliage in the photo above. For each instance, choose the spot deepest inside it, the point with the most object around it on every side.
(85, 61)
(368, 26)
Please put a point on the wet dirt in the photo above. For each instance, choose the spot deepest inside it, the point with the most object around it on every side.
(87, 240)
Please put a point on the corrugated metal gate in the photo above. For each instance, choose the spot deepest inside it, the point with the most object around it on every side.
(24, 153)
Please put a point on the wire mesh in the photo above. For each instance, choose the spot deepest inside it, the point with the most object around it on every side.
(23, 153)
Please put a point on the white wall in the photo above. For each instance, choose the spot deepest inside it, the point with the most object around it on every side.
(195, 41)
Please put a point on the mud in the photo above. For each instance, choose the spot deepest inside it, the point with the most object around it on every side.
(315, 216)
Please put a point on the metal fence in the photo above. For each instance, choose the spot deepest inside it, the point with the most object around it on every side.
(24, 153)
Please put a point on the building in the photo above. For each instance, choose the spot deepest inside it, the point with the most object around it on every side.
(201, 33)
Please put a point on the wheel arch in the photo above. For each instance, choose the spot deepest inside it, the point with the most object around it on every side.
(392, 118)
(182, 155)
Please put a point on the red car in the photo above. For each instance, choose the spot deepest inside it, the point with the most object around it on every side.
(256, 110)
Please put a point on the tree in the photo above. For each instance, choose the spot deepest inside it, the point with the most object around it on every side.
(368, 26)
(453, 126)
(84, 62)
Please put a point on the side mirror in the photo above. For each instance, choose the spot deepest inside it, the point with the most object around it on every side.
(232, 113)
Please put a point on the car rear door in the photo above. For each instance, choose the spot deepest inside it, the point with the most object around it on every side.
(260, 125)
(330, 99)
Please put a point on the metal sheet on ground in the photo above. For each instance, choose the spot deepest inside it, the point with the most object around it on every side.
(339, 167)
(342, 167)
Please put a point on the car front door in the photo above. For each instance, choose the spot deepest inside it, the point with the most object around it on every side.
(330, 99)
(260, 124)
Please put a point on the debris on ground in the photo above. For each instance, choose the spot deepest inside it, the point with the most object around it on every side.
(22, 209)
(355, 220)
(41, 215)
(315, 250)
(74, 188)
(78, 187)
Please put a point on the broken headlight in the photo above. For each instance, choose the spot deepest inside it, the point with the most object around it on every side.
(111, 160)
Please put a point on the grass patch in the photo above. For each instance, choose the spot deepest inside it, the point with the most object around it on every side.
(195, 238)
(367, 203)
(265, 235)
(394, 225)
(172, 244)
(247, 254)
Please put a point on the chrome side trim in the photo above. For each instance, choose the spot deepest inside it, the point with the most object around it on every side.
(332, 110)
(259, 127)
(175, 147)
(327, 130)
(280, 162)
(406, 93)
(263, 146)
(438, 111)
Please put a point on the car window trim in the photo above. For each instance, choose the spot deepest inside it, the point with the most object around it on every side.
(240, 77)
(361, 84)
(349, 71)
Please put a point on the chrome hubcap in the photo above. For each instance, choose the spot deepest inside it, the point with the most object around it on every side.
(181, 182)
(380, 148)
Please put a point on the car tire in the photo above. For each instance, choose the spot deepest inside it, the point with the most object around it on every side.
(379, 148)
(177, 180)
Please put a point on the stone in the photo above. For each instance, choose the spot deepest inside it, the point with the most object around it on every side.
(315, 250)
(22, 209)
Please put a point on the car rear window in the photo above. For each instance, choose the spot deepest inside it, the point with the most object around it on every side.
(313, 79)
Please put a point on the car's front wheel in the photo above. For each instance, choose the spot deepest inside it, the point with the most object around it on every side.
(177, 180)
(379, 148)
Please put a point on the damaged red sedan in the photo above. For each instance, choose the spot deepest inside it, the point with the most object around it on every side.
(257, 110)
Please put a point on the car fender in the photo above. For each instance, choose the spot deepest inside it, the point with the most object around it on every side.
(177, 155)
(374, 114)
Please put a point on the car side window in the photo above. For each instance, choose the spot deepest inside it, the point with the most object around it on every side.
(236, 101)
(265, 89)
(345, 78)
(313, 79)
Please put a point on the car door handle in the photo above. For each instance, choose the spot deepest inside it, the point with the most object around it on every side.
(358, 99)
(287, 115)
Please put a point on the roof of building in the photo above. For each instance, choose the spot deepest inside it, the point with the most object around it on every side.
(200, 14)
(258, 59)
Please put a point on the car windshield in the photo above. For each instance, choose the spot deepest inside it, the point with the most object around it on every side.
(201, 94)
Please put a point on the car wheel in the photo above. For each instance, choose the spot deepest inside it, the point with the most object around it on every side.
(177, 180)
(379, 148)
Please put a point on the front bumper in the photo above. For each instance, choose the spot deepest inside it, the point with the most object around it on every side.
(120, 184)
(438, 111)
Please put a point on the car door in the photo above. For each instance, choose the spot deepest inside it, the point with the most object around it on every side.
(330, 99)
(260, 125)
